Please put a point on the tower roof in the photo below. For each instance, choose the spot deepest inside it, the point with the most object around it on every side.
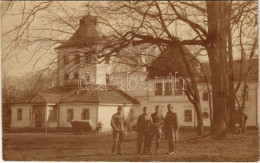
(85, 35)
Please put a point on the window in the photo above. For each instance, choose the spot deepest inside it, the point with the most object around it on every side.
(188, 115)
(178, 89)
(66, 76)
(76, 76)
(85, 114)
(205, 115)
(88, 58)
(69, 114)
(53, 115)
(205, 96)
(77, 59)
(66, 59)
(107, 78)
(158, 89)
(19, 114)
(168, 89)
(131, 114)
(247, 96)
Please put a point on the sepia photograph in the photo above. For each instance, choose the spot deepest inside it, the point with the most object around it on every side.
(130, 81)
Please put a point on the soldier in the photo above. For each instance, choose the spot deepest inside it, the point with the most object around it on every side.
(117, 123)
(157, 119)
(171, 125)
(100, 125)
(144, 130)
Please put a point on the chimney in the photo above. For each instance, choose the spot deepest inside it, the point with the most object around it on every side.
(81, 21)
(87, 29)
(90, 20)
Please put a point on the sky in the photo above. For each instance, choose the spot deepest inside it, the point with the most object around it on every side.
(24, 62)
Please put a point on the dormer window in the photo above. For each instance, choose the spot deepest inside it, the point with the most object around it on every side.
(77, 59)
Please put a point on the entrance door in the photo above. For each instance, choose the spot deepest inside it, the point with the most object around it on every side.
(39, 117)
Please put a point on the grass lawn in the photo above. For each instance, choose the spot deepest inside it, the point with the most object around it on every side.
(97, 147)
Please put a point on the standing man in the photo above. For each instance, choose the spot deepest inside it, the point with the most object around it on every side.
(144, 131)
(171, 125)
(100, 125)
(157, 119)
(117, 123)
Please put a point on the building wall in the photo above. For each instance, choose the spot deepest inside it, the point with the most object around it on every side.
(251, 105)
(71, 68)
(77, 110)
(104, 113)
(102, 70)
(181, 103)
(25, 122)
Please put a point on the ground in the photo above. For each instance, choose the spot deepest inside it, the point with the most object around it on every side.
(97, 147)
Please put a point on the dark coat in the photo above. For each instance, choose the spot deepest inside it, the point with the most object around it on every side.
(171, 125)
(144, 124)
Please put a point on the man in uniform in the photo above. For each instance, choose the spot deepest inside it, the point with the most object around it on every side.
(100, 125)
(144, 131)
(157, 119)
(117, 123)
(170, 125)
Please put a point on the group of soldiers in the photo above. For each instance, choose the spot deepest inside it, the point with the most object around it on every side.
(148, 127)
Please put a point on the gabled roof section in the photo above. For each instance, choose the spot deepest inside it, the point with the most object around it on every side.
(46, 98)
(41, 98)
(170, 61)
(64, 94)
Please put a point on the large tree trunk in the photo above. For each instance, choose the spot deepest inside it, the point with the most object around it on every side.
(216, 53)
(199, 118)
(231, 98)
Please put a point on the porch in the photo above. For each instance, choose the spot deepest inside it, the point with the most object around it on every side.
(44, 116)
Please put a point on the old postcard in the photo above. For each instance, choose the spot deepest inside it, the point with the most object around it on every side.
(160, 81)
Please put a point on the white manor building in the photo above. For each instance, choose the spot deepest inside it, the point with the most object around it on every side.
(59, 105)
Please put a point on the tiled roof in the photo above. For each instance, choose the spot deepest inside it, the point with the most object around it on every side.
(65, 94)
(170, 62)
(45, 98)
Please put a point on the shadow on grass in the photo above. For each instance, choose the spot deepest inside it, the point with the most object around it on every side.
(109, 155)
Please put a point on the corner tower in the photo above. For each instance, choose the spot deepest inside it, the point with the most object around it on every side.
(77, 56)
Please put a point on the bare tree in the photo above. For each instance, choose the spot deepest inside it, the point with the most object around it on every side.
(205, 24)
